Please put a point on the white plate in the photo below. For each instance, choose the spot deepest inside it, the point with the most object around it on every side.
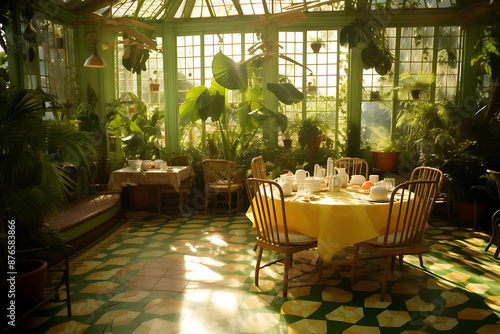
(382, 200)
(311, 198)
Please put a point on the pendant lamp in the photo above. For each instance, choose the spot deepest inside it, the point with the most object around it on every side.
(94, 60)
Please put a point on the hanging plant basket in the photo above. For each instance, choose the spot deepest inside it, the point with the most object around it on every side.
(316, 46)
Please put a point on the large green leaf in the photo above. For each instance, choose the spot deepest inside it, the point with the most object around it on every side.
(228, 73)
(188, 110)
(203, 104)
(286, 92)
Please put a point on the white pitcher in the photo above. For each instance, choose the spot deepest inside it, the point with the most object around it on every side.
(343, 175)
(300, 175)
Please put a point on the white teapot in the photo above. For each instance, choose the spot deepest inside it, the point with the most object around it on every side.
(300, 175)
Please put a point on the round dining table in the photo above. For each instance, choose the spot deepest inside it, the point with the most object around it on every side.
(336, 219)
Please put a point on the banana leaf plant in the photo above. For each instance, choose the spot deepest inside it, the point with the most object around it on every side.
(141, 132)
(203, 102)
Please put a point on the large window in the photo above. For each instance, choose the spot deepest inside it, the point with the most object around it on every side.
(50, 63)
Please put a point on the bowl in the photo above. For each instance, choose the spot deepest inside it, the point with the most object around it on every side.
(378, 193)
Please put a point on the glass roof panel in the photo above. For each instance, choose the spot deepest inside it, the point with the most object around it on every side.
(222, 8)
(252, 7)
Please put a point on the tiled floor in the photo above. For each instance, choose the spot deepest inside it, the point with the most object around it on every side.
(194, 274)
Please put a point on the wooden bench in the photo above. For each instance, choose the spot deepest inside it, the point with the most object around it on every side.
(84, 220)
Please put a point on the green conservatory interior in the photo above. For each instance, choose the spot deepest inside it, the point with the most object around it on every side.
(132, 133)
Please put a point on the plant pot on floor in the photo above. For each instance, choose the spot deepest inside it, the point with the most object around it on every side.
(467, 213)
(387, 161)
(29, 284)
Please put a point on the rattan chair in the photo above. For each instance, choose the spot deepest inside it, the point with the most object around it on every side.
(221, 180)
(185, 186)
(495, 225)
(258, 168)
(268, 208)
(353, 166)
(409, 210)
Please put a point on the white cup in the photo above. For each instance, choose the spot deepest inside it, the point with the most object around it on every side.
(378, 193)
(373, 178)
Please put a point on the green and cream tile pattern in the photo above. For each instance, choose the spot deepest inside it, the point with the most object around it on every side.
(194, 274)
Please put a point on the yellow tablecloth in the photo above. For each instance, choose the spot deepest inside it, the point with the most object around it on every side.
(336, 219)
(156, 177)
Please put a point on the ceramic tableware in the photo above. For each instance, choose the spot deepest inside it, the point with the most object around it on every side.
(300, 175)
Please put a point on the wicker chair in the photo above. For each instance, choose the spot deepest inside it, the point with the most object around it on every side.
(221, 180)
(265, 196)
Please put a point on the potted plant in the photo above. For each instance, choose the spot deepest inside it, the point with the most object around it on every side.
(32, 185)
(287, 139)
(251, 113)
(212, 148)
(309, 136)
(385, 152)
(416, 84)
(316, 44)
(154, 86)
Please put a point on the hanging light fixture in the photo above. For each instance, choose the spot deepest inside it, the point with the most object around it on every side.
(94, 60)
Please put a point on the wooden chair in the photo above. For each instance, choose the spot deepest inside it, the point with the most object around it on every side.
(185, 186)
(426, 174)
(221, 180)
(258, 168)
(495, 226)
(353, 166)
(406, 225)
(268, 207)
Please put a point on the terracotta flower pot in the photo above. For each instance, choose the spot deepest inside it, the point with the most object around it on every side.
(29, 283)
(387, 161)
(316, 46)
(154, 87)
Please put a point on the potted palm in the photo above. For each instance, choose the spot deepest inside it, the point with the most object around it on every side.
(31, 184)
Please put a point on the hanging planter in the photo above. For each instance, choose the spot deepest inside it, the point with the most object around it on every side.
(316, 46)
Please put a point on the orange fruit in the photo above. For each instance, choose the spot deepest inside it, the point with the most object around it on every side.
(367, 185)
